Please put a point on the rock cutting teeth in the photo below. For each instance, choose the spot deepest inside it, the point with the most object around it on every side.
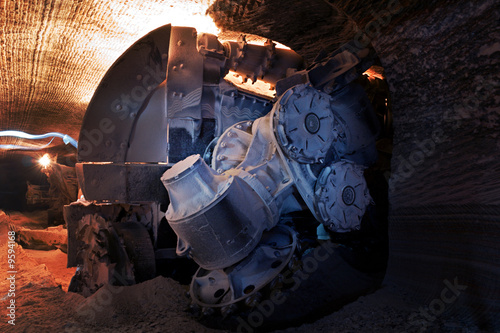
(253, 300)
(207, 311)
(228, 310)
(278, 285)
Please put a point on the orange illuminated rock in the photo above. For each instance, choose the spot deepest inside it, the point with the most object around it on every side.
(49, 239)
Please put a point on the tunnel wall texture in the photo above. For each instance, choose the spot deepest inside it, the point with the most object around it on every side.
(441, 63)
(445, 183)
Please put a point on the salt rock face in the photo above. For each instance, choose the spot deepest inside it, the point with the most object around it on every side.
(445, 183)
(440, 59)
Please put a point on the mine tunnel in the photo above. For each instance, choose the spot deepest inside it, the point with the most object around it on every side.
(171, 199)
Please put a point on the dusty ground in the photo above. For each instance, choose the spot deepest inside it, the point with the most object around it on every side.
(159, 305)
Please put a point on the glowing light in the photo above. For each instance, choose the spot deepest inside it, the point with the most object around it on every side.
(154, 15)
(45, 161)
(375, 72)
(257, 87)
(232, 36)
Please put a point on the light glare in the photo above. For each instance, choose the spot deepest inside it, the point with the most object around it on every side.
(45, 161)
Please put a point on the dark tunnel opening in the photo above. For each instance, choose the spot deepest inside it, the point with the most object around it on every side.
(15, 171)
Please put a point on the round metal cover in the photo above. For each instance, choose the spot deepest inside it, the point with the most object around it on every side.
(341, 196)
(304, 124)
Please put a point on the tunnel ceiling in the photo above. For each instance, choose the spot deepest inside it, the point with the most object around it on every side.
(54, 53)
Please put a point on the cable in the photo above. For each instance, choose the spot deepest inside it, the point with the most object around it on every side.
(22, 135)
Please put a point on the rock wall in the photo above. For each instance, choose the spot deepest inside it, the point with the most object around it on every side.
(443, 72)
(305, 26)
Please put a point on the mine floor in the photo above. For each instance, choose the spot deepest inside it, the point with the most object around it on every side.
(160, 305)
